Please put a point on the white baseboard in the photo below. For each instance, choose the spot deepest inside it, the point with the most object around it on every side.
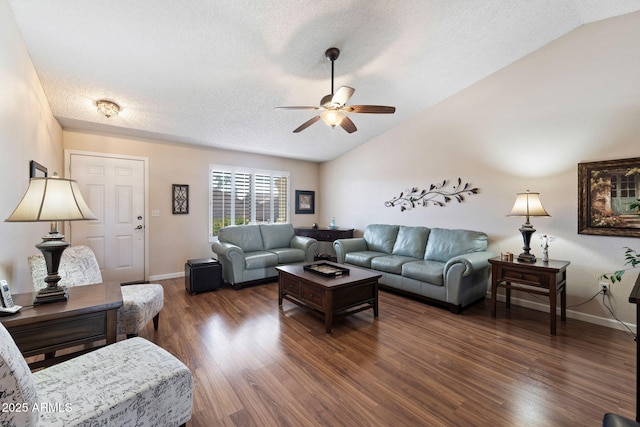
(166, 276)
(602, 321)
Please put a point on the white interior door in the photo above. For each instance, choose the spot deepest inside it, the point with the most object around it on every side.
(114, 189)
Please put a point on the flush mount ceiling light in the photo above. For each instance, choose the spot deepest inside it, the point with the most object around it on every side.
(107, 108)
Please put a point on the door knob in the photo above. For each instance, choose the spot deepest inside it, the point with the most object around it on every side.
(138, 227)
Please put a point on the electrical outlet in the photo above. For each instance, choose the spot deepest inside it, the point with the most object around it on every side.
(603, 287)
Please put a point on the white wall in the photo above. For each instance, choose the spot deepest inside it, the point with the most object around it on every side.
(173, 239)
(525, 127)
(28, 131)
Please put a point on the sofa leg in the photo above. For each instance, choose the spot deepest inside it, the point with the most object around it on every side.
(455, 309)
(155, 321)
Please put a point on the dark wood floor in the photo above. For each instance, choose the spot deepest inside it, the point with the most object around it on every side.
(256, 364)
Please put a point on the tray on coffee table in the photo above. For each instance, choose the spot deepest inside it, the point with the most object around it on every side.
(326, 269)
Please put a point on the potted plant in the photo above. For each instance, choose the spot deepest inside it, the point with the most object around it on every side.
(631, 256)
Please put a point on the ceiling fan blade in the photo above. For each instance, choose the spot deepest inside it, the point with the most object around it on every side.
(302, 107)
(342, 95)
(307, 124)
(348, 125)
(372, 109)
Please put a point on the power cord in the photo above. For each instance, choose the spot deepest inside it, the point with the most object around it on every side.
(604, 302)
(603, 292)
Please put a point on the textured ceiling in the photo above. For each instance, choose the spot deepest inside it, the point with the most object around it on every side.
(211, 72)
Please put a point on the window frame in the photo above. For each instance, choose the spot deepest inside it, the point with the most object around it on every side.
(253, 172)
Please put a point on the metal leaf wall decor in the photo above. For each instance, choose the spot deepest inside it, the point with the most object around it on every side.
(436, 195)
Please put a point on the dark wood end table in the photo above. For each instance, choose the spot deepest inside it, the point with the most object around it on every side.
(543, 278)
(89, 315)
(329, 297)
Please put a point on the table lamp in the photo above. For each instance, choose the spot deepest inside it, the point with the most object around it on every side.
(52, 199)
(527, 205)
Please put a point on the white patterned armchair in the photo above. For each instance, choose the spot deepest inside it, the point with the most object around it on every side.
(132, 382)
(79, 266)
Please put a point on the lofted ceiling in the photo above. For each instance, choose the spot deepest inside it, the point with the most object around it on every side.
(210, 72)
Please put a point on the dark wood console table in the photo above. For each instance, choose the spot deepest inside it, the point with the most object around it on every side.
(634, 298)
(89, 315)
(543, 278)
(324, 234)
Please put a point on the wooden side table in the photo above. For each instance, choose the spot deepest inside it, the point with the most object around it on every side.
(542, 278)
(325, 234)
(89, 315)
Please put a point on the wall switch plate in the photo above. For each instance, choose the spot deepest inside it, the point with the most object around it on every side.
(155, 212)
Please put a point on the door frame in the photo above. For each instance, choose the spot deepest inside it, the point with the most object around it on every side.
(145, 160)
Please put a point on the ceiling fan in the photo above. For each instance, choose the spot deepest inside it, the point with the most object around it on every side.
(333, 106)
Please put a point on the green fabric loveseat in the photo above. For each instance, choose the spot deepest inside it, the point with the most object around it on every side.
(250, 253)
(446, 266)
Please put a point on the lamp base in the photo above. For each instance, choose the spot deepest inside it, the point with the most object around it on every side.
(52, 246)
(51, 294)
(526, 257)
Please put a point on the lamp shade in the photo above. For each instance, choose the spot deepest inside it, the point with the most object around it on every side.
(51, 199)
(528, 204)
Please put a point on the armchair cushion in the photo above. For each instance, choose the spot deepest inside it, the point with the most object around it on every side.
(132, 382)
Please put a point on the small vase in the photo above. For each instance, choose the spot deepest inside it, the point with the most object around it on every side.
(545, 253)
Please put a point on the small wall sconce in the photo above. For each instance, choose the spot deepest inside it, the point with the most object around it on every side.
(107, 108)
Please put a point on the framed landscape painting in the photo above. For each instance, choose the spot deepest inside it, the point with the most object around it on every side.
(609, 194)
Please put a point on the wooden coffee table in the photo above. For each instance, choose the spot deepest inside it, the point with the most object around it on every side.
(89, 315)
(329, 297)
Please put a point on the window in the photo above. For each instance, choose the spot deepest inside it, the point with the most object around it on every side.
(240, 196)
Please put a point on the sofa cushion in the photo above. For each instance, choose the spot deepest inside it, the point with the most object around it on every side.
(381, 237)
(362, 258)
(390, 263)
(424, 271)
(445, 244)
(288, 255)
(260, 259)
(247, 237)
(411, 241)
(276, 235)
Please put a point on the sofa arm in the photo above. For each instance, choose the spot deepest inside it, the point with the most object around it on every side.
(344, 246)
(231, 259)
(308, 244)
(466, 277)
(472, 261)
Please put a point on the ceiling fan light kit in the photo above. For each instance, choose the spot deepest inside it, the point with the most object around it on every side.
(333, 106)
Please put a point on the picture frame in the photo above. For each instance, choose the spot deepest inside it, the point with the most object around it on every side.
(305, 202)
(180, 199)
(606, 192)
(36, 170)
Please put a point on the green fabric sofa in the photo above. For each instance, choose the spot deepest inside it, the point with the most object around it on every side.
(442, 265)
(251, 253)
